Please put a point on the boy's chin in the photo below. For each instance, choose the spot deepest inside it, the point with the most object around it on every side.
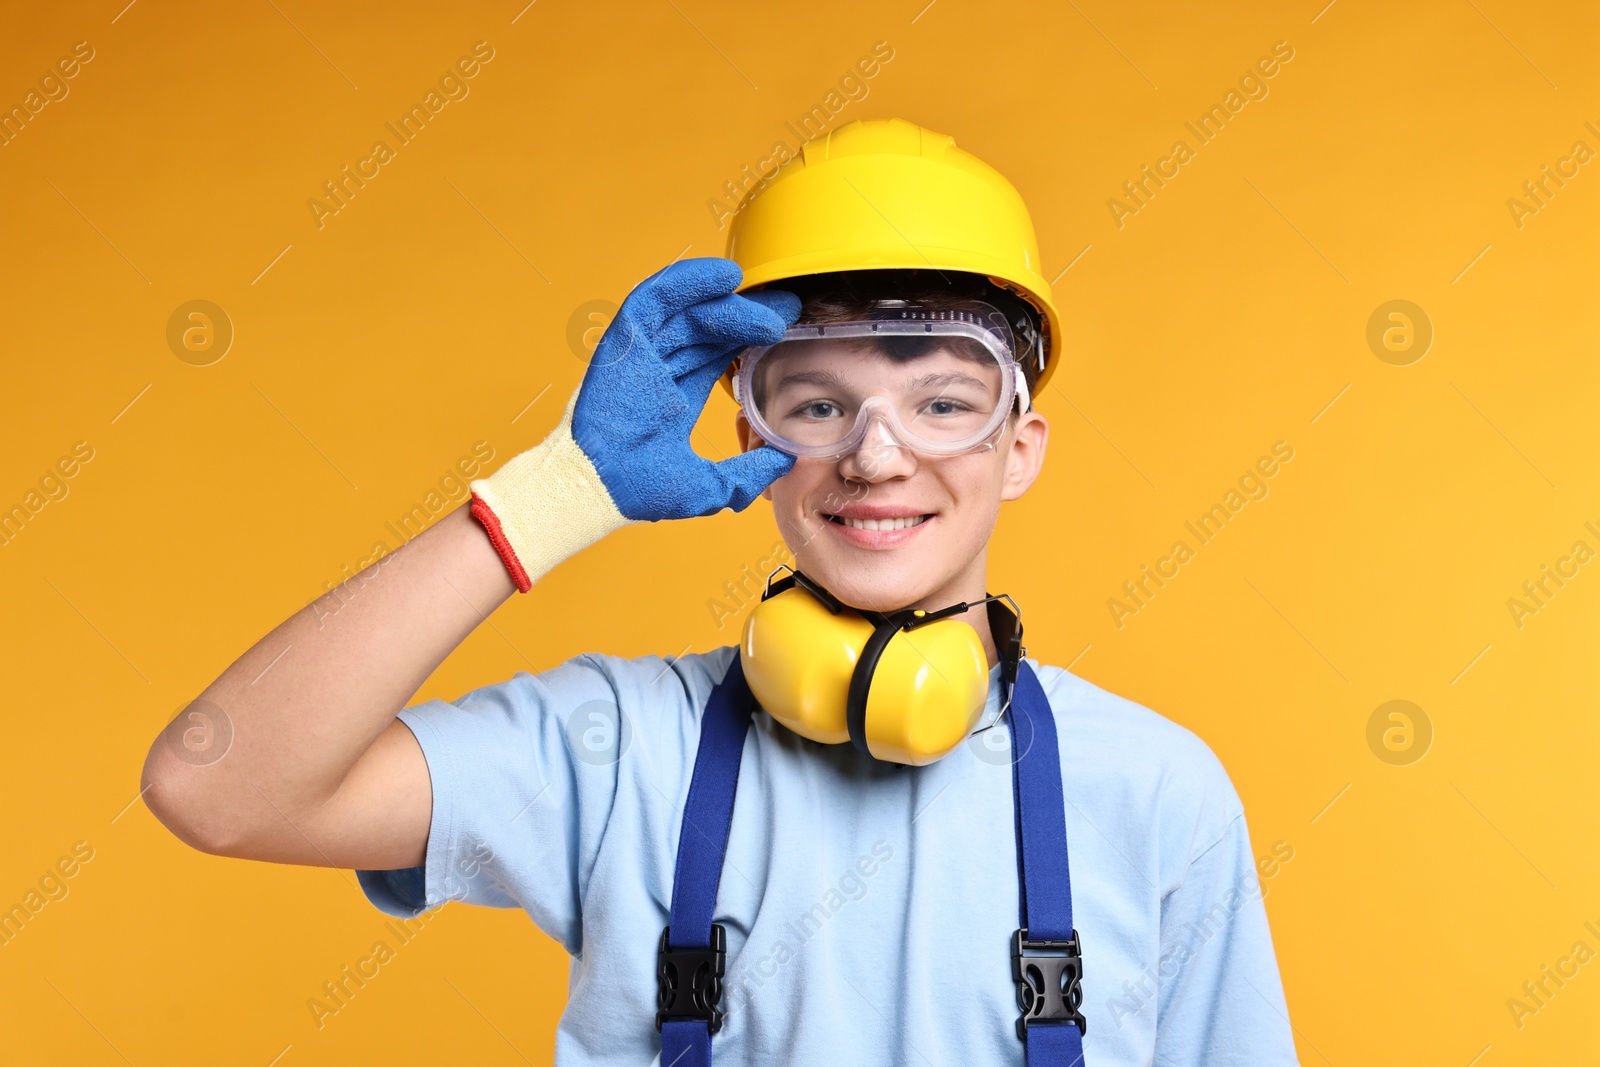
(873, 592)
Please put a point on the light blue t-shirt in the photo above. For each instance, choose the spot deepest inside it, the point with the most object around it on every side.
(869, 907)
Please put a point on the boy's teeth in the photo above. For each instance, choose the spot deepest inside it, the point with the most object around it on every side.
(881, 524)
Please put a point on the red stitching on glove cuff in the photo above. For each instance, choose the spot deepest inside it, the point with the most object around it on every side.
(497, 537)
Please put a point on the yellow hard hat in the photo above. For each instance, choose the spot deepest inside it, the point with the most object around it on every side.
(880, 194)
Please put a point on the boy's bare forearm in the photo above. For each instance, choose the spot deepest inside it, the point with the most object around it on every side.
(311, 697)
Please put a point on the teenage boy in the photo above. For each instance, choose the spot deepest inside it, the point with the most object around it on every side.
(892, 883)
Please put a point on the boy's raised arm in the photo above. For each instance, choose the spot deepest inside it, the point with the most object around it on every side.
(306, 761)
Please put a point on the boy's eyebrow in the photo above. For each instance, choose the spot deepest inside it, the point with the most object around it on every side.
(810, 377)
(948, 378)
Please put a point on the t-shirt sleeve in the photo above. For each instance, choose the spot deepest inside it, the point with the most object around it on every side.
(1220, 998)
(524, 774)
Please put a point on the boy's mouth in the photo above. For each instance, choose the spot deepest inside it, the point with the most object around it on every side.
(898, 523)
(877, 525)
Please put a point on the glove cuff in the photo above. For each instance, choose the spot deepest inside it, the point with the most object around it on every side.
(544, 505)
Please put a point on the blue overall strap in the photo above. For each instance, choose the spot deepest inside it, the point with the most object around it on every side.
(1047, 962)
(690, 956)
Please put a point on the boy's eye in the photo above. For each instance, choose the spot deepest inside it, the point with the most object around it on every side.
(819, 409)
(946, 406)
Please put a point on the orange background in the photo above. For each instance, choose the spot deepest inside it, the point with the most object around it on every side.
(1230, 312)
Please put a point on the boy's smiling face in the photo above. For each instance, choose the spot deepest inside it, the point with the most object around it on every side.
(885, 528)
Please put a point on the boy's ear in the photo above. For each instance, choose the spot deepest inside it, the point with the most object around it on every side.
(1025, 456)
(748, 441)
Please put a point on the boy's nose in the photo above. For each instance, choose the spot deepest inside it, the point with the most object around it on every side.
(879, 457)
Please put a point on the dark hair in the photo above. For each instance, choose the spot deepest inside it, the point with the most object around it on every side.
(840, 296)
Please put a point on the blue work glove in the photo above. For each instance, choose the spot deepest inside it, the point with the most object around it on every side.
(621, 453)
(648, 381)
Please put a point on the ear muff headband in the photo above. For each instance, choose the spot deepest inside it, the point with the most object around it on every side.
(855, 714)
(1005, 625)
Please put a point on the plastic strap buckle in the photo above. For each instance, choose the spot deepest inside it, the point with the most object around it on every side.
(1049, 976)
(689, 980)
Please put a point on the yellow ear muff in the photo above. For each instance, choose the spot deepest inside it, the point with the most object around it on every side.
(924, 694)
(904, 696)
(798, 658)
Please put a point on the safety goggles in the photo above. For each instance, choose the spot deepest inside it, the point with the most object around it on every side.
(940, 383)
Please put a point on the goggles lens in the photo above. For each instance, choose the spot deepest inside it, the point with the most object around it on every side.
(941, 387)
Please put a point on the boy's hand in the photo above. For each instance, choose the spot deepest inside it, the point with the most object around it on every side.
(622, 452)
(672, 339)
